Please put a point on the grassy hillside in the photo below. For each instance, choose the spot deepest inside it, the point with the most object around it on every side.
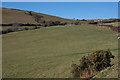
(21, 16)
(48, 52)
(11, 16)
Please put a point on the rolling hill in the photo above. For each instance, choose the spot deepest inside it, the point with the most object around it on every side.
(21, 16)
(48, 52)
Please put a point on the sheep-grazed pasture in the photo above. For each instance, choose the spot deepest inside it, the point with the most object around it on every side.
(48, 52)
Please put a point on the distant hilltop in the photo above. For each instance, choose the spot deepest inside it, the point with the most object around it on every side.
(10, 16)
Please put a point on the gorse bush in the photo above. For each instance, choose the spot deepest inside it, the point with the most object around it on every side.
(102, 59)
(93, 63)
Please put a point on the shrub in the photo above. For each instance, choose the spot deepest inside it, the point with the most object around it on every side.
(83, 20)
(93, 22)
(25, 28)
(50, 23)
(35, 27)
(102, 59)
(28, 13)
(94, 62)
(0, 31)
(63, 23)
(7, 30)
(37, 17)
(10, 30)
(4, 31)
(56, 22)
(15, 26)
(45, 25)
(77, 23)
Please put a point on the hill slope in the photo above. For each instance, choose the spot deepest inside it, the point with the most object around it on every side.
(12, 16)
(20, 16)
(48, 52)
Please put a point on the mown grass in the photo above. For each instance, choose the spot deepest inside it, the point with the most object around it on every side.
(49, 52)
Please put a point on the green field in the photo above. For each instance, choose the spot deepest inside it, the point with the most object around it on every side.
(49, 52)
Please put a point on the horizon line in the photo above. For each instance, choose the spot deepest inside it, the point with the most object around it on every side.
(60, 16)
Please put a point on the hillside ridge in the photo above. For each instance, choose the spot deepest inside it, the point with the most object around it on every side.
(23, 16)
